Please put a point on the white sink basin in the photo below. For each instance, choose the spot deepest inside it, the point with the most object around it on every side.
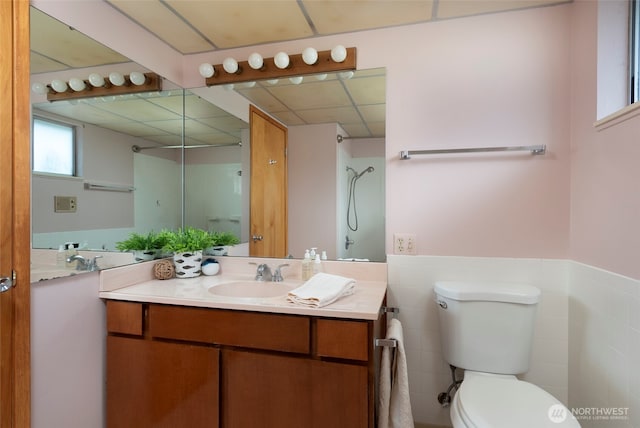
(252, 289)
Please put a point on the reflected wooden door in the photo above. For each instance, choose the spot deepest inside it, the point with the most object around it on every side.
(14, 214)
(268, 212)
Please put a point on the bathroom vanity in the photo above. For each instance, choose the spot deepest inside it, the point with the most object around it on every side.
(178, 357)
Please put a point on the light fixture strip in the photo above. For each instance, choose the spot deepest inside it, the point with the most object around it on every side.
(297, 67)
(153, 83)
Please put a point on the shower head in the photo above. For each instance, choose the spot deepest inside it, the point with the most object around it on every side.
(369, 169)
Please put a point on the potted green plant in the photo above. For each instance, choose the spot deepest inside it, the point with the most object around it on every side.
(187, 245)
(144, 246)
(222, 242)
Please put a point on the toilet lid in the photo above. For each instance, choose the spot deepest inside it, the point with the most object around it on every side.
(499, 401)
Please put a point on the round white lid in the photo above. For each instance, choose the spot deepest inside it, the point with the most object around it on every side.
(488, 291)
(502, 401)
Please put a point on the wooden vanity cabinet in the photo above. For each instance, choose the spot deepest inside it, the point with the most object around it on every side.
(176, 366)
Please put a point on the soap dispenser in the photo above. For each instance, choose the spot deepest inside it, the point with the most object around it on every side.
(307, 268)
(61, 257)
(317, 265)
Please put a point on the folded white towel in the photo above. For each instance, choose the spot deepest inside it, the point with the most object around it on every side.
(321, 290)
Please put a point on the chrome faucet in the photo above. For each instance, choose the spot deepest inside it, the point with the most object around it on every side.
(84, 264)
(277, 274)
(263, 273)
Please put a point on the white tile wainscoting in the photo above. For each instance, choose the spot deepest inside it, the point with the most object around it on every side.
(587, 340)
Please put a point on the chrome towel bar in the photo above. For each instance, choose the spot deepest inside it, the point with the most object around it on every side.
(391, 343)
(535, 150)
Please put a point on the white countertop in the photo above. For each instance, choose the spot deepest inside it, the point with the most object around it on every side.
(364, 303)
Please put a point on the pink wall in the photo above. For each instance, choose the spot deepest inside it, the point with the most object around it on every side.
(605, 202)
(499, 79)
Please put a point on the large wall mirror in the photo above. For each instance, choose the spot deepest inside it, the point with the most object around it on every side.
(174, 158)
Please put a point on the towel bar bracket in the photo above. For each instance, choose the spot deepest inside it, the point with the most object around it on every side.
(391, 343)
(391, 310)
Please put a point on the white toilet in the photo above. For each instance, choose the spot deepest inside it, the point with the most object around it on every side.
(487, 330)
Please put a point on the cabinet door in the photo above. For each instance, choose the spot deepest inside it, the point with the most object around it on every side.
(339, 395)
(263, 390)
(157, 384)
(274, 391)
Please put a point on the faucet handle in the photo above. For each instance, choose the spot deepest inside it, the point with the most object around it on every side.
(263, 273)
(277, 274)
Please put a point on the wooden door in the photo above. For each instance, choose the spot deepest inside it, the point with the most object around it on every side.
(268, 212)
(15, 241)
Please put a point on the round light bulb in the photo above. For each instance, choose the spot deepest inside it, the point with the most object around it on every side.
(59, 85)
(137, 78)
(249, 84)
(96, 80)
(272, 81)
(255, 61)
(228, 86)
(339, 53)
(281, 60)
(310, 56)
(39, 88)
(346, 75)
(206, 70)
(116, 78)
(230, 65)
(322, 76)
(77, 84)
(296, 80)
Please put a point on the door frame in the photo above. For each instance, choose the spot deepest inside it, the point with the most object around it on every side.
(15, 218)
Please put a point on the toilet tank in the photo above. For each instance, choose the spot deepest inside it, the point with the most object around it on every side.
(487, 327)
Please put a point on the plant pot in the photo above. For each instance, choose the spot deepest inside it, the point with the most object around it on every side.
(145, 255)
(188, 264)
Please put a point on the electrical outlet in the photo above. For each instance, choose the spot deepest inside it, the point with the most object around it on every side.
(404, 243)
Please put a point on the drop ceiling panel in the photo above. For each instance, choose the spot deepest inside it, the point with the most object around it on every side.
(166, 140)
(55, 40)
(42, 64)
(138, 109)
(196, 108)
(460, 8)
(229, 124)
(160, 20)
(172, 103)
(213, 139)
(289, 118)
(136, 129)
(80, 112)
(356, 130)
(367, 90)
(331, 17)
(263, 98)
(330, 115)
(373, 112)
(230, 24)
(312, 95)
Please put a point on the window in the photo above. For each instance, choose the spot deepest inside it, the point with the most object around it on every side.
(54, 147)
(634, 51)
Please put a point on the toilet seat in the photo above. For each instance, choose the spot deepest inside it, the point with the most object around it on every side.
(487, 400)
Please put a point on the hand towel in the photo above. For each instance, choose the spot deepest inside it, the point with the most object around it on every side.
(321, 290)
(394, 404)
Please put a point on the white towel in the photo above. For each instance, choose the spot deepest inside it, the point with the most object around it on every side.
(394, 405)
(321, 290)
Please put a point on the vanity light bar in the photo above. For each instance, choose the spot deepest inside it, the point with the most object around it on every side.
(151, 83)
(297, 66)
